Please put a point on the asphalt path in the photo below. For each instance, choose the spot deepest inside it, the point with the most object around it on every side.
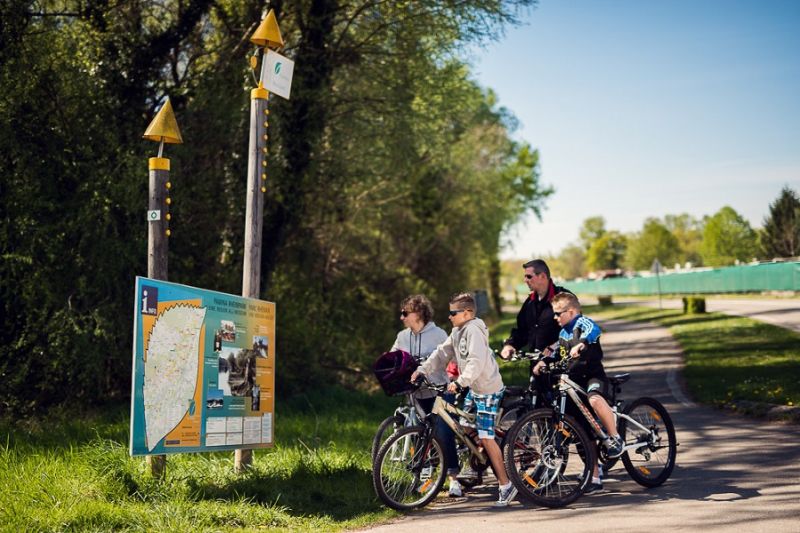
(732, 473)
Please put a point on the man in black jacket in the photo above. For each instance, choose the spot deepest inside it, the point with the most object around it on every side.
(536, 327)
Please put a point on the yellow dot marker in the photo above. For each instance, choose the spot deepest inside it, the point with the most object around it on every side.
(168, 185)
(168, 232)
(263, 189)
(169, 200)
(169, 217)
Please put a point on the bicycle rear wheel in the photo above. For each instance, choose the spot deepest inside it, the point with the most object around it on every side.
(510, 416)
(549, 461)
(410, 468)
(650, 464)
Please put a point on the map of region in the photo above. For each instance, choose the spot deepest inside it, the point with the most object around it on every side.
(171, 369)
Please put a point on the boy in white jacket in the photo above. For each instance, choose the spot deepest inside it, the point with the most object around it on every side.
(468, 345)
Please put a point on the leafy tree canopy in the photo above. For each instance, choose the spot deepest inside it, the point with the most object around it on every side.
(654, 242)
(781, 233)
(728, 238)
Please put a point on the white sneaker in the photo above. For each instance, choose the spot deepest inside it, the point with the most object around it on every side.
(506, 494)
(455, 490)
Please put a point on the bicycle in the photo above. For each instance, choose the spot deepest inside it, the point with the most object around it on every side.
(410, 468)
(517, 400)
(550, 457)
(406, 415)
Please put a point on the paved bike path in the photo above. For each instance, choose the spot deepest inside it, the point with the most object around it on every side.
(732, 472)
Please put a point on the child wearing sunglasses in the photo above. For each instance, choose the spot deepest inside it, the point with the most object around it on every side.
(468, 346)
(579, 341)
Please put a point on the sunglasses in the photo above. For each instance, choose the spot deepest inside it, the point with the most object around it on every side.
(454, 312)
(559, 313)
(530, 276)
(405, 313)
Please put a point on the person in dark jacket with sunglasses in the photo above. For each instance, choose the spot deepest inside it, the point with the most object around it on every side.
(536, 327)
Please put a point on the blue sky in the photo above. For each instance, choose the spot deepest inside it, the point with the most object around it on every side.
(647, 108)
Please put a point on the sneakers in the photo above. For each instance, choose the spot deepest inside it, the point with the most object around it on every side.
(615, 446)
(593, 488)
(455, 489)
(506, 494)
(468, 474)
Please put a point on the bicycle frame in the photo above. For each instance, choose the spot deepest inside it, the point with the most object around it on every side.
(569, 388)
(444, 410)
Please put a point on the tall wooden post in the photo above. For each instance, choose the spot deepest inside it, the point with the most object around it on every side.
(164, 129)
(267, 34)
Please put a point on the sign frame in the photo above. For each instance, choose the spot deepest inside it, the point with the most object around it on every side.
(226, 344)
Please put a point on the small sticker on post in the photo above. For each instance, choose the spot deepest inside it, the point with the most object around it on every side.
(154, 215)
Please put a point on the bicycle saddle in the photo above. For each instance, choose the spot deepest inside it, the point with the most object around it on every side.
(619, 379)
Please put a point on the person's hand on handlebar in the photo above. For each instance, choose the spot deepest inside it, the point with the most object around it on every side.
(507, 352)
(538, 368)
(453, 387)
(415, 376)
(576, 350)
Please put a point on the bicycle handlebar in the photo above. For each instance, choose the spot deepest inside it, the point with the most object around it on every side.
(522, 356)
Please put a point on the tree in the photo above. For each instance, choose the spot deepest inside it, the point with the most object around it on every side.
(728, 238)
(781, 233)
(390, 172)
(592, 229)
(654, 242)
(689, 233)
(570, 263)
(607, 252)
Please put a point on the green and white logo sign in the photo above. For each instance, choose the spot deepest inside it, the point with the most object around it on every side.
(276, 74)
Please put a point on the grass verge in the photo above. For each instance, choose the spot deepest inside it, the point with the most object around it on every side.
(73, 473)
(729, 360)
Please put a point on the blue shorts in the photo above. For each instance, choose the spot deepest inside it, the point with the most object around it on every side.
(486, 406)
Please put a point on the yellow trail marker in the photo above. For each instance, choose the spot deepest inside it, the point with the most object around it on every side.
(164, 127)
(268, 33)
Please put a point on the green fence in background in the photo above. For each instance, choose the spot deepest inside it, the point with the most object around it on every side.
(743, 278)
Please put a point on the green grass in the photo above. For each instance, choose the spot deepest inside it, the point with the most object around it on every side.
(728, 358)
(72, 472)
(515, 373)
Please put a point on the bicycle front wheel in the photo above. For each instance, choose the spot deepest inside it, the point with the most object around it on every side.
(549, 461)
(385, 430)
(410, 468)
(650, 464)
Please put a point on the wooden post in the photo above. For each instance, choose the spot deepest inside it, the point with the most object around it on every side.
(163, 128)
(157, 253)
(254, 214)
(268, 34)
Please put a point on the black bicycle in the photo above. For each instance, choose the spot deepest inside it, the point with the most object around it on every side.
(550, 455)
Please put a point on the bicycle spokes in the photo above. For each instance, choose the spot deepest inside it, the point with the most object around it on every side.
(409, 470)
(649, 442)
(549, 461)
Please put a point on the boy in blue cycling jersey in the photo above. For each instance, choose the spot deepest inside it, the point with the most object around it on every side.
(579, 340)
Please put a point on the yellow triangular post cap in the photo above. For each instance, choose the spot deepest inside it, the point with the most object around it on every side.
(164, 127)
(268, 33)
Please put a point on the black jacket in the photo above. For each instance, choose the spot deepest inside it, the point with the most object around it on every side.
(536, 325)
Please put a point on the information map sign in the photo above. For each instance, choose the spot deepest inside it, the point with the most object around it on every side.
(203, 370)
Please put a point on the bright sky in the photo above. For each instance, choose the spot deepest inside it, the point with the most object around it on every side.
(647, 108)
